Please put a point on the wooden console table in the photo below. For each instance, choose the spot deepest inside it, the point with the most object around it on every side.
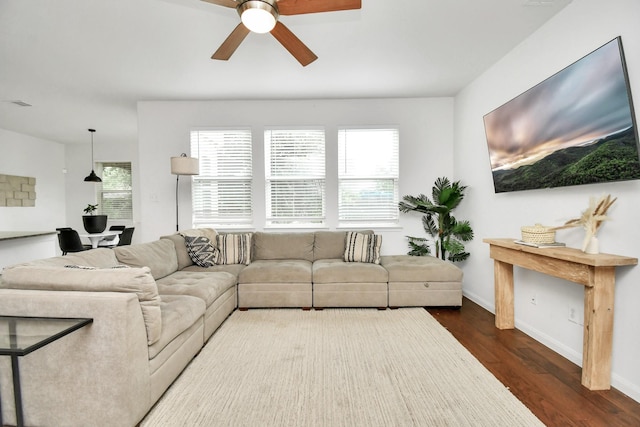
(595, 272)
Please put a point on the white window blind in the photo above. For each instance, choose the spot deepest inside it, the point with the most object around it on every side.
(114, 194)
(368, 176)
(221, 193)
(295, 177)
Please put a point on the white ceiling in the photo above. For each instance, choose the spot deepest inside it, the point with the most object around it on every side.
(85, 63)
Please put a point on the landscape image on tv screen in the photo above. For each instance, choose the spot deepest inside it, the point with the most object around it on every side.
(576, 127)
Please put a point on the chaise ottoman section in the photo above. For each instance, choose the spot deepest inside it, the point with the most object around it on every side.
(422, 281)
(337, 283)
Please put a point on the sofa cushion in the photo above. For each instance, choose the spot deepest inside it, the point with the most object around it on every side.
(360, 247)
(234, 248)
(179, 313)
(160, 256)
(406, 268)
(184, 260)
(201, 251)
(206, 286)
(271, 246)
(100, 258)
(234, 269)
(209, 233)
(331, 244)
(182, 256)
(277, 271)
(58, 278)
(339, 271)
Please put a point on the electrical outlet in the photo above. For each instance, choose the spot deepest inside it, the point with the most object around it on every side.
(533, 299)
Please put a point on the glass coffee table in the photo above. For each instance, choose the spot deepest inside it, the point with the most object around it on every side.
(20, 336)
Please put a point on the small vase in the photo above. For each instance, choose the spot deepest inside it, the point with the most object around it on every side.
(592, 246)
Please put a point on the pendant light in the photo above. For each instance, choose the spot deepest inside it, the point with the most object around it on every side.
(92, 177)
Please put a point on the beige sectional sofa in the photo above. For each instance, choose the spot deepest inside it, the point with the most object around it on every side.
(152, 318)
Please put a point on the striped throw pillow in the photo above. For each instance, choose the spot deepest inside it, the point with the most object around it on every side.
(360, 247)
(201, 251)
(234, 248)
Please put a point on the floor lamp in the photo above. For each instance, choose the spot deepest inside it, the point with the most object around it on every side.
(183, 165)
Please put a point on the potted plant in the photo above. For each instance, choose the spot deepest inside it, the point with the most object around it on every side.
(93, 223)
(447, 232)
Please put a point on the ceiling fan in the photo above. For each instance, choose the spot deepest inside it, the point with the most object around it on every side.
(261, 16)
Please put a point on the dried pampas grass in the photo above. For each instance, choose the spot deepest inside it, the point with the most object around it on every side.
(592, 218)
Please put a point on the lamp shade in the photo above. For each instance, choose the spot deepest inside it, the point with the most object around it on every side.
(92, 177)
(184, 165)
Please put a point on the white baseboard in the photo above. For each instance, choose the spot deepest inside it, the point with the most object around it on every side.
(618, 382)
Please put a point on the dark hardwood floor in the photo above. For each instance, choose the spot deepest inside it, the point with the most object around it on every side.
(547, 383)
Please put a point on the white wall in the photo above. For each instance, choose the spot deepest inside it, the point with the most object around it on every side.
(426, 150)
(80, 193)
(429, 149)
(24, 155)
(577, 30)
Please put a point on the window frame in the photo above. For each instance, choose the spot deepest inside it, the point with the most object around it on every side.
(361, 220)
(100, 191)
(242, 179)
(318, 179)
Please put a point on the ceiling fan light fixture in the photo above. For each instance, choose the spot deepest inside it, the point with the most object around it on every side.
(258, 16)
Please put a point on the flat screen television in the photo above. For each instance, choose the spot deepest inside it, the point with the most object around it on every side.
(576, 127)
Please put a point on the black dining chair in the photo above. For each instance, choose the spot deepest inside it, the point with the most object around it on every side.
(125, 236)
(111, 241)
(69, 241)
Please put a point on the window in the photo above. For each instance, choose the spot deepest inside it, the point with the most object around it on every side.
(368, 176)
(114, 195)
(295, 177)
(221, 193)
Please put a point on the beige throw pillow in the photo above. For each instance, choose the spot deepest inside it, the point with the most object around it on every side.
(360, 247)
(234, 248)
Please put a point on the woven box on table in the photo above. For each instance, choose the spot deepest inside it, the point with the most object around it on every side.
(538, 234)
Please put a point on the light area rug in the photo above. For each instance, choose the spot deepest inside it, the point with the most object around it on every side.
(336, 367)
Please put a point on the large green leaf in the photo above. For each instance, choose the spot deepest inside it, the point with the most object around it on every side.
(438, 220)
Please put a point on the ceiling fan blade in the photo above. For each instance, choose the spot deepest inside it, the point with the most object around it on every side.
(225, 3)
(299, 7)
(293, 44)
(232, 42)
